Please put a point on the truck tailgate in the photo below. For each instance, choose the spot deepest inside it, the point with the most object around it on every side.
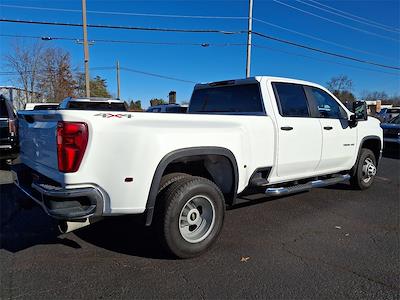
(38, 139)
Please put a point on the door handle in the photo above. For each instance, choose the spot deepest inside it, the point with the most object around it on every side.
(287, 128)
(328, 127)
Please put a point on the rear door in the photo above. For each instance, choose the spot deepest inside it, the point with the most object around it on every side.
(338, 138)
(299, 135)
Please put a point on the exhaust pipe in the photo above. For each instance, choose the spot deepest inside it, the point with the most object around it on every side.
(68, 226)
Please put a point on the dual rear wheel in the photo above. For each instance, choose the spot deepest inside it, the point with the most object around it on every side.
(190, 214)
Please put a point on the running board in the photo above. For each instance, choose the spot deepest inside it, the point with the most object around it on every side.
(306, 186)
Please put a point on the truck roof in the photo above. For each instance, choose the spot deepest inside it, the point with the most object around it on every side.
(253, 80)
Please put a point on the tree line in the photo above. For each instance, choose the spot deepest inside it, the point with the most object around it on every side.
(342, 87)
(46, 74)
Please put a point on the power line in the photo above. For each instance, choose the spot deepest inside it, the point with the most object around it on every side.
(9, 73)
(356, 17)
(50, 38)
(324, 51)
(157, 75)
(127, 13)
(346, 17)
(323, 60)
(319, 39)
(122, 27)
(30, 71)
(335, 22)
(210, 31)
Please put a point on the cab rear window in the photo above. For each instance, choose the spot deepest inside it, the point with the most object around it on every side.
(234, 99)
(103, 106)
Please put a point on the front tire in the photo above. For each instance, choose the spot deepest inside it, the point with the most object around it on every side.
(365, 170)
(193, 216)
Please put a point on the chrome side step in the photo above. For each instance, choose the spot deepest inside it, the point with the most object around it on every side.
(278, 191)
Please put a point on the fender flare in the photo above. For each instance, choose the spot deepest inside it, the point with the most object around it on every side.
(185, 152)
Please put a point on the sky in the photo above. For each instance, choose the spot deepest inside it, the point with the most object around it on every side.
(219, 61)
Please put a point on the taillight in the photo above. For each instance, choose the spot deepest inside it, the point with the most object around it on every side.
(12, 127)
(72, 138)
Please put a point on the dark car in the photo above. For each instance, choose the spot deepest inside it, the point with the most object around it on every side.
(8, 130)
(391, 133)
(387, 114)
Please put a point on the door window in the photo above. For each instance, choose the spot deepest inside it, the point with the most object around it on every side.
(327, 106)
(292, 100)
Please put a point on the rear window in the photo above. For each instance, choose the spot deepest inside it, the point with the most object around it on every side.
(103, 106)
(235, 99)
(291, 99)
(176, 109)
(3, 109)
(45, 107)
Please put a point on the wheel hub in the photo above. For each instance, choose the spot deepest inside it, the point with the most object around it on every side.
(193, 216)
(197, 219)
(368, 170)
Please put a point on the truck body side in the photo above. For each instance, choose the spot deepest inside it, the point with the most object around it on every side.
(125, 150)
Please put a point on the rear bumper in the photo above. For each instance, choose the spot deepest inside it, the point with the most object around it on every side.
(58, 202)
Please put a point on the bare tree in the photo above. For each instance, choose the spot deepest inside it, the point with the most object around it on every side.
(56, 80)
(341, 86)
(340, 83)
(25, 61)
(376, 95)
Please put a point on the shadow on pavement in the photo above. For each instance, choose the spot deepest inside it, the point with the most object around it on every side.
(24, 225)
(124, 235)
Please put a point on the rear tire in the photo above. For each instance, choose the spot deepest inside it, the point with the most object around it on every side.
(365, 170)
(169, 179)
(193, 216)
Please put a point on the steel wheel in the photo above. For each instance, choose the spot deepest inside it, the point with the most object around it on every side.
(368, 170)
(197, 219)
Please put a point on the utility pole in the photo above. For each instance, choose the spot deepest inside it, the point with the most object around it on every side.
(250, 28)
(118, 82)
(86, 49)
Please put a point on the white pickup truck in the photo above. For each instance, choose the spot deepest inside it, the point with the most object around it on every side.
(263, 134)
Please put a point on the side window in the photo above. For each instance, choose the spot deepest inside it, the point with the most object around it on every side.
(327, 106)
(292, 100)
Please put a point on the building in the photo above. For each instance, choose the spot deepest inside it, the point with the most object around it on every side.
(18, 96)
(375, 106)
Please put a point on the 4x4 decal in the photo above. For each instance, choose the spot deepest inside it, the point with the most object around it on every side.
(110, 115)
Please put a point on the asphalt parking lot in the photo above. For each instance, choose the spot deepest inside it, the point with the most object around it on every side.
(328, 243)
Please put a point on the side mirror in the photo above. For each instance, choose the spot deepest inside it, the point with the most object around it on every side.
(353, 121)
(360, 110)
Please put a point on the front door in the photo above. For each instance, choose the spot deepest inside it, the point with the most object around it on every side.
(338, 138)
